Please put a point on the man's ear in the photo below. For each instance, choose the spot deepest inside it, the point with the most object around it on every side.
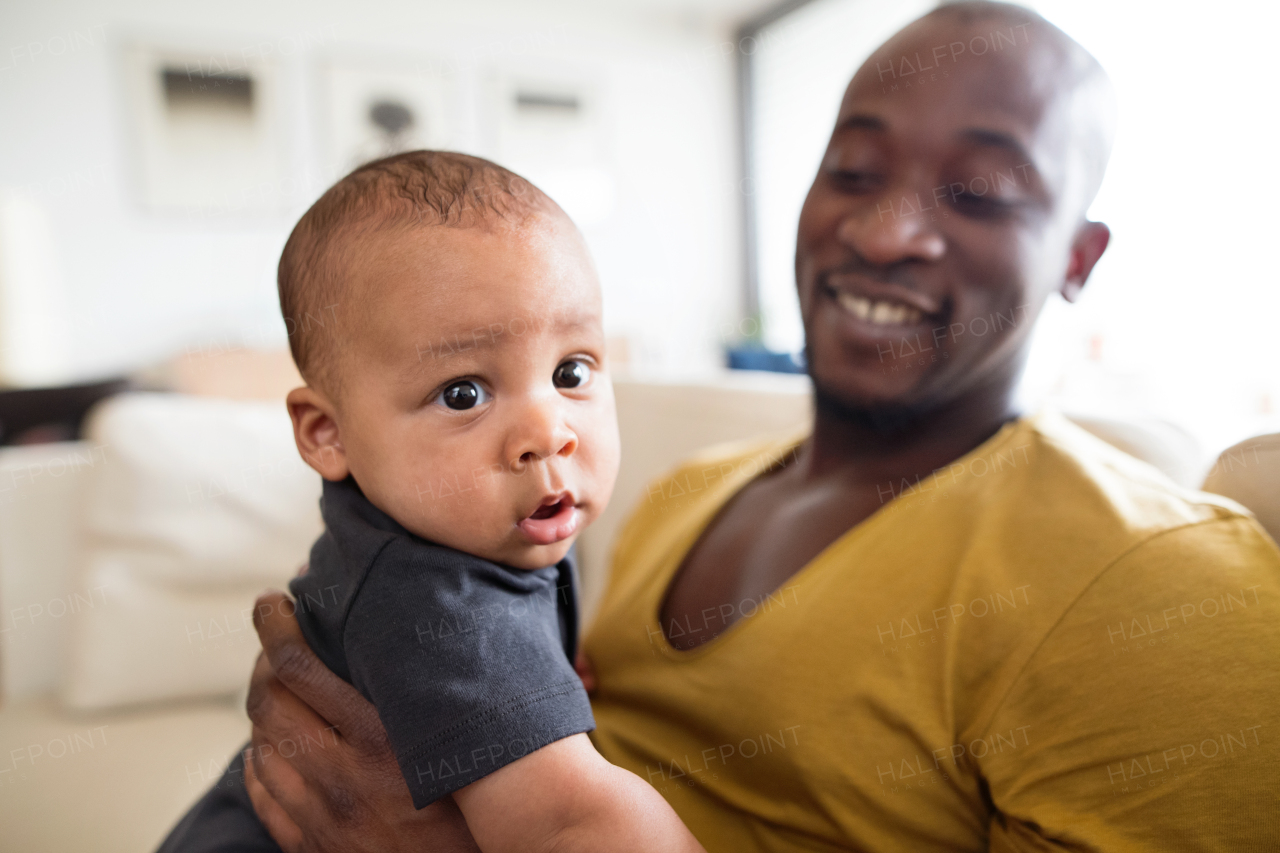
(315, 430)
(1090, 242)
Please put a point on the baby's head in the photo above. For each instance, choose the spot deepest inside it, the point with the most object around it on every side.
(446, 317)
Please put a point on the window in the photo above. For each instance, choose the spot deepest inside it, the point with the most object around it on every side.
(1179, 319)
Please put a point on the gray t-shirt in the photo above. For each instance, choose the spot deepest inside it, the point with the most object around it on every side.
(467, 661)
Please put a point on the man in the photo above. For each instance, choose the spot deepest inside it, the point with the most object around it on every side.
(932, 624)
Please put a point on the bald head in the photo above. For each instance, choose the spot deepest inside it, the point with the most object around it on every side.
(413, 190)
(1002, 57)
(953, 192)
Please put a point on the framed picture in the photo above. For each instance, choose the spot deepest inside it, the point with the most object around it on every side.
(206, 128)
(550, 126)
(374, 110)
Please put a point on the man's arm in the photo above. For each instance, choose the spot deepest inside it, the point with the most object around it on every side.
(322, 776)
(1149, 719)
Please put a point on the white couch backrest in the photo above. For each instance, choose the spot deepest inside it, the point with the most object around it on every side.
(663, 424)
(42, 488)
(199, 503)
(1249, 473)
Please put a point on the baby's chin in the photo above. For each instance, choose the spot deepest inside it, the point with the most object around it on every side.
(544, 545)
(514, 549)
(533, 556)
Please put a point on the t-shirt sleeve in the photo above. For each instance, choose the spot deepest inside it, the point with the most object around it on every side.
(1149, 718)
(466, 664)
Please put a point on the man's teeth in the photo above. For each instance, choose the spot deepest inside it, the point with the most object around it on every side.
(881, 313)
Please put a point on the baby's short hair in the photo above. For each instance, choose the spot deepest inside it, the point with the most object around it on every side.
(405, 191)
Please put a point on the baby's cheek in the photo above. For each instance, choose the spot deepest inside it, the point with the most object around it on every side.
(601, 456)
(464, 498)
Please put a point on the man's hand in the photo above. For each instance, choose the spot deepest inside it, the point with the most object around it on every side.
(321, 773)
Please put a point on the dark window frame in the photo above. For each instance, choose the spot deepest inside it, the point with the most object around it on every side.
(747, 34)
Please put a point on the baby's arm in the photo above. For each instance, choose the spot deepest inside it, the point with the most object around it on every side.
(566, 797)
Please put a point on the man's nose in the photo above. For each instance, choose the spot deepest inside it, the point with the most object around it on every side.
(890, 230)
(540, 432)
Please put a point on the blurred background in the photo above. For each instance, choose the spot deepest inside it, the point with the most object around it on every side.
(154, 157)
(164, 151)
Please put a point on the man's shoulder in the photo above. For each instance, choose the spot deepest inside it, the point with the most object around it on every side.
(1173, 542)
(1066, 477)
(1138, 584)
(1040, 473)
(1045, 503)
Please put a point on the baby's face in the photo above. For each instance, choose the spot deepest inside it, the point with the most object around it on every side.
(474, 405)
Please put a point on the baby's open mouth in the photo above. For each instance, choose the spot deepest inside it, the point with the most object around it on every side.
(555, 520)
(549, 510)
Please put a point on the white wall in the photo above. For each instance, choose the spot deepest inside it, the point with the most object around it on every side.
(1178, 320)
(141, 286)
(802, 66)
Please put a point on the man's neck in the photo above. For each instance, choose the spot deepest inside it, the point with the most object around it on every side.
(885, 445)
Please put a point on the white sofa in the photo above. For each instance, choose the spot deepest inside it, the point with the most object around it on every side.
(128, 561)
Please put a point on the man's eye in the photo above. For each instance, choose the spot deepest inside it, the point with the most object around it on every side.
(463, 395)
(850, 180)
(571, 374)
(981, 205)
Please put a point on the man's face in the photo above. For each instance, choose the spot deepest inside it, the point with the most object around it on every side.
(937, 226)
(474, 407)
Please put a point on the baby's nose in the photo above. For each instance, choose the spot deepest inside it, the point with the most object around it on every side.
(539, 433)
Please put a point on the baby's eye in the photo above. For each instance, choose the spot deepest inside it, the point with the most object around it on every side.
(465, 394)
(571, 374)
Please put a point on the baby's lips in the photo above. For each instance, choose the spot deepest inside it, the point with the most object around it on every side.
(551, 505)
(555, 528)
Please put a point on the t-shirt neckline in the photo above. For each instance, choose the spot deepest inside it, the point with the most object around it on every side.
(734, 484)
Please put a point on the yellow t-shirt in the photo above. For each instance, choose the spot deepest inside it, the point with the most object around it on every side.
(1045, 645)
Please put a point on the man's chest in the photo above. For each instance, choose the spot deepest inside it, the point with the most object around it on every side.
(759, 541)
(806, 715)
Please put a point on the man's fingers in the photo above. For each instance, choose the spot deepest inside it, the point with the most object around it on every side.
(278, 776)
(281, 827)
(276, 711)
(306, 675)
(586, 672)
(290, 743)
(287, 736)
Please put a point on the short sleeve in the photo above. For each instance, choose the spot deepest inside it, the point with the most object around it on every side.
(1149, 718)
(465, 661)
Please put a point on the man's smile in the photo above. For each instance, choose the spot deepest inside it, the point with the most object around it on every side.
(880, 312)
(878, 309)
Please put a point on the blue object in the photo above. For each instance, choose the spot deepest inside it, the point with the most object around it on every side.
(758, 358)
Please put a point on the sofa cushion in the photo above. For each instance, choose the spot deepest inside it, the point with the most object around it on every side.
(232, 373)
(1249, 473)
(200, 504)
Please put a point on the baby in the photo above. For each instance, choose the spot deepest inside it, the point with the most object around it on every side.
(458, 409)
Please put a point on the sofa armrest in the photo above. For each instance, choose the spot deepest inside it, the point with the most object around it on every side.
(41, 495)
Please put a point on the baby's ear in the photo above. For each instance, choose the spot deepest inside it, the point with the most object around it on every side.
(315, 430)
